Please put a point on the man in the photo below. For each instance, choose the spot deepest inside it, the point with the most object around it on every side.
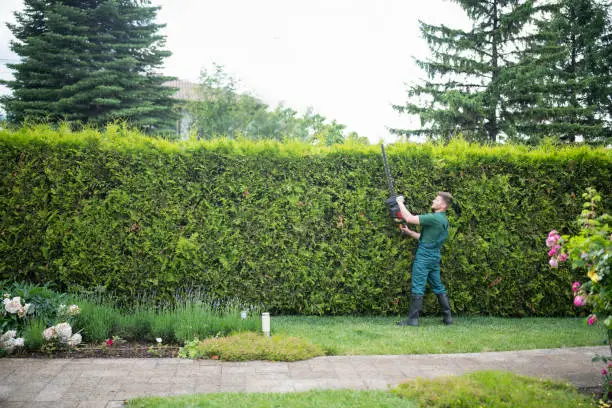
(426, 266)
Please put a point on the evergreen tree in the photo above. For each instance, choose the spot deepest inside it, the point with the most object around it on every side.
(561, 87)
(464, 90)
(89, 61)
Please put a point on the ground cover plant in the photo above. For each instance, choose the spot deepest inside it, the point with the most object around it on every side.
(487, 389)
(252, 346)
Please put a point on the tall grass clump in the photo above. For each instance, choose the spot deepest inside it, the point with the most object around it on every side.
(191, 315)
(32, 334)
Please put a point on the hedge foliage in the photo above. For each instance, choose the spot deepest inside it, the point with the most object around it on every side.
(296, 228)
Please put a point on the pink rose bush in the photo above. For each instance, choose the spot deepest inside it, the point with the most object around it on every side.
(554, 242)
(589, 250)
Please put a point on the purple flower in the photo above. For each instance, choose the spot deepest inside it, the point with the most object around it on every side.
(592, 320)
(553, 262)
(563, 257)
(579, 301)
(575, 286)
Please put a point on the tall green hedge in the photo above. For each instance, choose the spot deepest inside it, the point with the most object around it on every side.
(299, 229)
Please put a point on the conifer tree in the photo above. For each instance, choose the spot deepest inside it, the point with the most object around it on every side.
(464, 90)
(561, 87)
(89, 61)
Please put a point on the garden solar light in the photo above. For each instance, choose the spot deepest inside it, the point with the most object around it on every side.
(265, 323)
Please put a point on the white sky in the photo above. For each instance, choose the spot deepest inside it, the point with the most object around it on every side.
(348, 59)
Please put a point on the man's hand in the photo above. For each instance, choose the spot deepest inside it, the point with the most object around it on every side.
(408, 231)
(409, 218)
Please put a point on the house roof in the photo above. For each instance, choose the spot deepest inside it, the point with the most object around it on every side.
(186, 90)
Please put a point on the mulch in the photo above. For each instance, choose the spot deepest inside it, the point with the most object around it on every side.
(125, 350)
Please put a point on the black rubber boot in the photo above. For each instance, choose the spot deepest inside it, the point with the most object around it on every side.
(446, 309)
(416, 303)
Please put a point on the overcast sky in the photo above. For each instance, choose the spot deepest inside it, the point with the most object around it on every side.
(348, 59)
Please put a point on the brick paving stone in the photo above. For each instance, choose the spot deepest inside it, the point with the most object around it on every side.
(109, 382)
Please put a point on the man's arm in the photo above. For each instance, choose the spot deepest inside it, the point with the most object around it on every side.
(409, 232)
(409, 218)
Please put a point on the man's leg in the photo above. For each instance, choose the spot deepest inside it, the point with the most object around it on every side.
(438, 288)
(419, 278)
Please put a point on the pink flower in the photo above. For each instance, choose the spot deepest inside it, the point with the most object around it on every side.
(551, 241)
(563, 257)
(553, 232)
(579, 301)
(592, 320)
(553, 262)
(552, 252)
(604, 372)
(109, 342)
(575, 286)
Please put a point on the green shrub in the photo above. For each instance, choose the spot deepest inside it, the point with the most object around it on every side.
(297, 229)
(251, 346)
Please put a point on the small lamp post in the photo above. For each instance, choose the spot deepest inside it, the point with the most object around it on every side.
(265, 324)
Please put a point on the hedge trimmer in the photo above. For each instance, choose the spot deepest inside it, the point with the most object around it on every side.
(391, 202)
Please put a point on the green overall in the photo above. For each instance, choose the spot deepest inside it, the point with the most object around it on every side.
(426, 266)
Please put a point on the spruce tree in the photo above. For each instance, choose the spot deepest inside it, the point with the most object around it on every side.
(464, 90)
(561, 87)
(89, 61)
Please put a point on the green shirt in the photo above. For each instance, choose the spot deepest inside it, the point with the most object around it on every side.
(433, 227)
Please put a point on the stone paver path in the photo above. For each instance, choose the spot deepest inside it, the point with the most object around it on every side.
(106, 383)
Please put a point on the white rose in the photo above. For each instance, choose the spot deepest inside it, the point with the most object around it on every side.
(74, 310)
(75, 340)
(10, 344)
(8, 335)
(49, 333)
(158, 339)
(63, 330)
(13, 305)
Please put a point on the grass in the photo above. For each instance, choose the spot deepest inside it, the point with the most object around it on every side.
(491, 389)
(480, 389)
(343, 335)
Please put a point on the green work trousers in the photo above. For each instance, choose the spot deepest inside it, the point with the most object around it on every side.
(426, 268)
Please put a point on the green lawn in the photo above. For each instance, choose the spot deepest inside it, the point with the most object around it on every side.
(490, 389)
(378, 335)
